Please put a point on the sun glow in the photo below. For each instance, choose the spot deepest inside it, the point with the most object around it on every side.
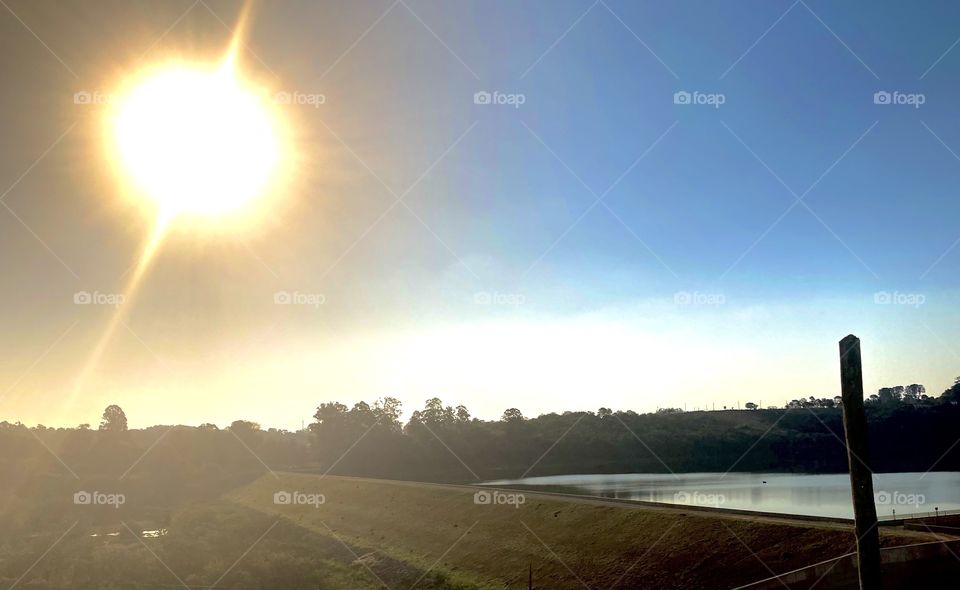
(192, 143)
(196, 142)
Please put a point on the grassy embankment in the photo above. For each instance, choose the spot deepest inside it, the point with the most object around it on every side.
(570, 543)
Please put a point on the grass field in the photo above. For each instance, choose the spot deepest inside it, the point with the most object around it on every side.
(570, 543)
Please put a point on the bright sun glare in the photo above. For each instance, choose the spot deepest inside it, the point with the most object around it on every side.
(196, 142)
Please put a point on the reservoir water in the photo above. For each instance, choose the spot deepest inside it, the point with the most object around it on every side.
(897, 494)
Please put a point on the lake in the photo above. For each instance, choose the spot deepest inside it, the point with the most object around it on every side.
(813, 495)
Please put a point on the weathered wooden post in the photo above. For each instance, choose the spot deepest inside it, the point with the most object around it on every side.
(858, 456)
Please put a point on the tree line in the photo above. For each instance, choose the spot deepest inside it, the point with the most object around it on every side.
(444, 442)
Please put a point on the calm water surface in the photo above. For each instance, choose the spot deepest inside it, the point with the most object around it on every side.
(815, 495)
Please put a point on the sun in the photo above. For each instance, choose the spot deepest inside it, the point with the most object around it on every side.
(196, 141)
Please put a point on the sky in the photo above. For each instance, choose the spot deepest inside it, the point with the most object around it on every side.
(549, 205)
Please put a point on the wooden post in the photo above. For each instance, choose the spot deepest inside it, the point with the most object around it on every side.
(858, 456)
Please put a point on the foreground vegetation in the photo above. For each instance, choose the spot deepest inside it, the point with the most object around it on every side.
(212, 490)
(368, 534)
(216, 544)
(566, 543)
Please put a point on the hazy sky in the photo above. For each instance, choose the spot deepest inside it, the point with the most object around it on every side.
(733, 244)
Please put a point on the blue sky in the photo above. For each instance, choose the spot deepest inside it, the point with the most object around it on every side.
(586, 299)
(798, 97)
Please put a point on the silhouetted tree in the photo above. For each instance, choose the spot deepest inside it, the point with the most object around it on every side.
(244, 426)
(386, 412)
(512, 415)
(114, 420)
(952, 394)
(435, 414)
(914, 391)
(890, 395)
(362, 416)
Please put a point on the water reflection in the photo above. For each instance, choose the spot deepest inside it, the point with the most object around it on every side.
(152, 534)
(897, 494)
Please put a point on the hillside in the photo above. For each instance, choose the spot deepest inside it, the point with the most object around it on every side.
(569, 543)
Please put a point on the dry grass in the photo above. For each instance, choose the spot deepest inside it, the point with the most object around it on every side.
(570, 543)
